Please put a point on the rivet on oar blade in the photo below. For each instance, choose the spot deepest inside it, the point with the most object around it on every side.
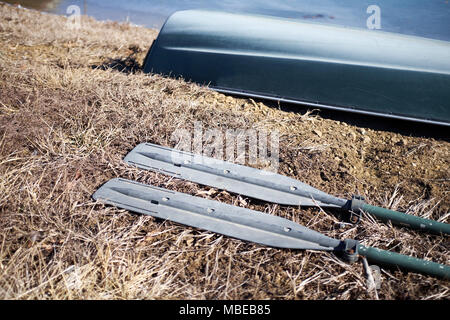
(293, 188)
(226, 171)
(287, 229)
(210, 210)
(165, 199)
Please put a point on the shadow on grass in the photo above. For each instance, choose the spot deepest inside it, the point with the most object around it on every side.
(126, 65)
(404, 127)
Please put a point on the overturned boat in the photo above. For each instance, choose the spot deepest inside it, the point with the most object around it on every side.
(357, 70)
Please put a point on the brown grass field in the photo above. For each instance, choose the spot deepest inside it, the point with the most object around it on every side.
(74, 102)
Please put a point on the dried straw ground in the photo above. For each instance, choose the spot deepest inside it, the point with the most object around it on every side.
(74, 102)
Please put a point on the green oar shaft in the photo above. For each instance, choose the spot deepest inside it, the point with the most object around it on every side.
(407, 263)
(407, 220)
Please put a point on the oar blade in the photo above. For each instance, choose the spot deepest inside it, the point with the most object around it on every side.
(247, 181)
(233, 221)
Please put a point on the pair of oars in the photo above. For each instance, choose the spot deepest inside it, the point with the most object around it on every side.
(247, 224)
(262, 185)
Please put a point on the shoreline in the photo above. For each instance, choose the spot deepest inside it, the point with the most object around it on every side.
(428, 20)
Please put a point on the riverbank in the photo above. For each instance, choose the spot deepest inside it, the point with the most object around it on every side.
(73, 102)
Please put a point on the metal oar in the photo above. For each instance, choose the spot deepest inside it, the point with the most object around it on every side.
(260, 184)
(246, 224)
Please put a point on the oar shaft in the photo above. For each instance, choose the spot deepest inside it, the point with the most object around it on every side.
(408, 263)
(407, 220)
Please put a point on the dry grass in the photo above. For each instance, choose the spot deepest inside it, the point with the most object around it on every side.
(67, 118)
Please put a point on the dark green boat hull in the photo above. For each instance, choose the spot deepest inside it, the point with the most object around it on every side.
(356, 70)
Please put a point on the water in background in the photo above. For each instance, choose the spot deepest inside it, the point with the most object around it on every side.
(426, 18)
